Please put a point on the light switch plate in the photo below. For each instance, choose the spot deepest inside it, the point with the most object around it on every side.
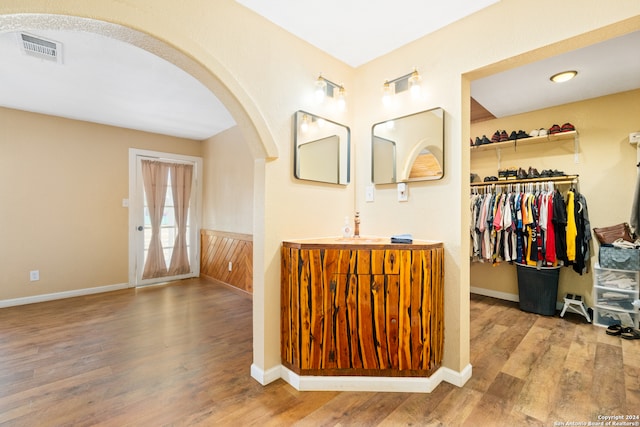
(403, 192)
(369, 194)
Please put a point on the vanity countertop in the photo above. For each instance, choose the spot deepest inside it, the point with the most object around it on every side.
(363, 242)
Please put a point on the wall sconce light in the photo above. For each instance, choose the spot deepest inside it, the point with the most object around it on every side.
(410, 82)
(325, 87)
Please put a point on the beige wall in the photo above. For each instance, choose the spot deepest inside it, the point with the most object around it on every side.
(62, 183)
(606, 165)
(228, 183)
(265, 74)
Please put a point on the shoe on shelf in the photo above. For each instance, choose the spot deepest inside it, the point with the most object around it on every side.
(542, 132)
(478, 141)
(567, 127)
(556, 172)
(503, 136)
(533, 173)
(522, 174)
(496, 137)
(522, 134)
(513, 136)
(555, 129)
(490, 178)
(546, 173)
(485, 140)
(535, 132)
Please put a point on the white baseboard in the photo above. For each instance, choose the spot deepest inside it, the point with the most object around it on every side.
(504, 296)
(265, 377)
(376, 384)
(494, 294)
(61, 295)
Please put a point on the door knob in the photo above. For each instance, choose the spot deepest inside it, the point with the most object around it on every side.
(140, 228)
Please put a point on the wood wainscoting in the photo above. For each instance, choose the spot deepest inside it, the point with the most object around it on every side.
(218, 249)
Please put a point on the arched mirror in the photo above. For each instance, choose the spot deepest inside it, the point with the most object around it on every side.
(408, 148)
(321, 149)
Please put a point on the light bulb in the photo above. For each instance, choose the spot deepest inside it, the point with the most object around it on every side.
(342, 102)
(414, 84)
(387, 93)
(304, 126)
(321, 89)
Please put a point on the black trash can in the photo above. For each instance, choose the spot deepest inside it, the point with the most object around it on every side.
(538, 288)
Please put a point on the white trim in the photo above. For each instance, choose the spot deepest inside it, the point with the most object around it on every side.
(134, 196)
(504, 296)
(266, 377)
(373, 384)
(495, 294)
(61, 295)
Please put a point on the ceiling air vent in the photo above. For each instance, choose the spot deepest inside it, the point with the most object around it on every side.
(41, 48)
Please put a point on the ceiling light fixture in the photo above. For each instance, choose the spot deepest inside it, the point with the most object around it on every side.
(563, 76)
(325, 87)
(410, 82)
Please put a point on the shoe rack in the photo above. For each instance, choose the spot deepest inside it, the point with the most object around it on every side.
(556, 137)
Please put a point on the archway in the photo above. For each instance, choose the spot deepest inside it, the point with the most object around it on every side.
(215, 77)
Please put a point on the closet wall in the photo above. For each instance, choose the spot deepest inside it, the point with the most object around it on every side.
(605, 162)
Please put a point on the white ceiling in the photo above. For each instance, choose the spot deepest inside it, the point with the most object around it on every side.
(110, 82)
(103, 80)
(604, 68)
(357, 31)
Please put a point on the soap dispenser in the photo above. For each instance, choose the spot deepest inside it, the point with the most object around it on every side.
(346, 228)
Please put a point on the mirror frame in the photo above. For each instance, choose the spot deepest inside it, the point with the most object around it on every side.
(342, 146)
(412, 153)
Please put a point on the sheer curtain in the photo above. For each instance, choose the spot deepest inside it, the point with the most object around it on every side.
(155, 178)
(181, 176)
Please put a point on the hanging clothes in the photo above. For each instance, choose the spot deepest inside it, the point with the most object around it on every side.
(532, 225)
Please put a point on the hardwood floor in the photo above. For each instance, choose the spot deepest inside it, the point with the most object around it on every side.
(180, 355)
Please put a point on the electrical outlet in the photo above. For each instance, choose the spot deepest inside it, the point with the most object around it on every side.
(34, 275)
(230, 266)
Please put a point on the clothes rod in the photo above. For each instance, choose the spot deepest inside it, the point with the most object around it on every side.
(567, 179)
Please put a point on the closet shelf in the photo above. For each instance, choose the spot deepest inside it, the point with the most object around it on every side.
(566, 179)
(562, 136)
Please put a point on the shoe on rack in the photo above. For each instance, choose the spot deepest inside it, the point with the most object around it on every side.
(533, 173)
(535, 132)
(556, 172)
(503, 136)
(546, 173)
(496, 137)
(522, 174)
(542, 132)
(522, 134)
(490, 178)
(513, 136)
(567, 127)
(478, 141)
(555, 129)
(485, 140)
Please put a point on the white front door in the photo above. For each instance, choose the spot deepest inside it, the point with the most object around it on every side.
(142, 227)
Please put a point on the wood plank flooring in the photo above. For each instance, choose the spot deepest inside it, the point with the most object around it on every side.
(180, 354)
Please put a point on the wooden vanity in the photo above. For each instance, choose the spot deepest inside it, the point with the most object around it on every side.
(362, 306)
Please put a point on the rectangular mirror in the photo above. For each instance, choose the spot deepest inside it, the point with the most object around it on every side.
(408, 148)
(321, 149)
